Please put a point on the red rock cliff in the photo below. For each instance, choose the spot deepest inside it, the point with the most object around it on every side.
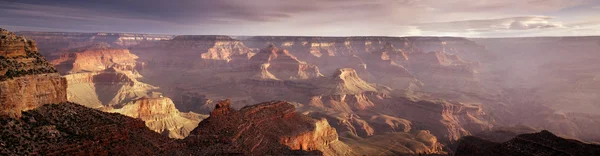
(27, 80)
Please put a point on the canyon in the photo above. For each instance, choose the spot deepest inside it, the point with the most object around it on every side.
(328, 95)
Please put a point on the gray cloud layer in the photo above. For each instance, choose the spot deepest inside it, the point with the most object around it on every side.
(300, 17)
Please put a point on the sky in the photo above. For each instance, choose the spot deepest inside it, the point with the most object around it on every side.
(466, 18)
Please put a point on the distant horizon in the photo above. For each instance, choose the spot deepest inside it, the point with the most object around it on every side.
(91, 32)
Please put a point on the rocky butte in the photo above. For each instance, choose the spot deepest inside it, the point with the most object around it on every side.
(264, 129)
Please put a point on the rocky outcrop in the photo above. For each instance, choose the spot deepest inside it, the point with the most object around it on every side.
(27, 81)
(448, 121)
(283, 65)
(541, 143)
(160, 116)
(72, 129)
(94, 58)
(344, 91)
(107, 88)
(265, 128)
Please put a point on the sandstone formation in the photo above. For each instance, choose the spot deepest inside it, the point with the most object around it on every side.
(282, 65)
(28, 80)
(160, 116)
(266, 128)
(105, 88)
(541, 143)
(94, 58)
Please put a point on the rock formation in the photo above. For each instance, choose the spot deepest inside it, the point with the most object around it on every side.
(265, 128)
(94, 58)
(28, 80)
(105, 88)
(282, 65)
(160, 116)
(72, 129)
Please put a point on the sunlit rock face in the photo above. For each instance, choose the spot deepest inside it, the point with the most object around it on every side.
(27, 80)
(94, 58)
(265, 128)
(278, 63)
(160, 115)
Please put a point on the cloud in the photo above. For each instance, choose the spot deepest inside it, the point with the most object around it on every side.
(492, 25)
(292, 17)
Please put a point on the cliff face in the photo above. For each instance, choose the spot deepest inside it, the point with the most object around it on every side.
(106, 88)
(284, 65)
(27, 80)
(266, 128)
(161, 116)
(97, 57)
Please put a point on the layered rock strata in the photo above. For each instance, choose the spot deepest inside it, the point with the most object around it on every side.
(27, 80)
(265, 128)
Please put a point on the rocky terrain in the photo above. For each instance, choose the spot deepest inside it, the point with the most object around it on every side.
(541, 143)
(160, 115)
(27, 80)
(72, 129)
(265, 128)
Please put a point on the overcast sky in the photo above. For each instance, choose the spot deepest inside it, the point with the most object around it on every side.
(468, 18)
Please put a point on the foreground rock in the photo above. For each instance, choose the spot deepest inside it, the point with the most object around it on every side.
(27, 80)
(542, 143)
(72, 129)
(266, 128)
